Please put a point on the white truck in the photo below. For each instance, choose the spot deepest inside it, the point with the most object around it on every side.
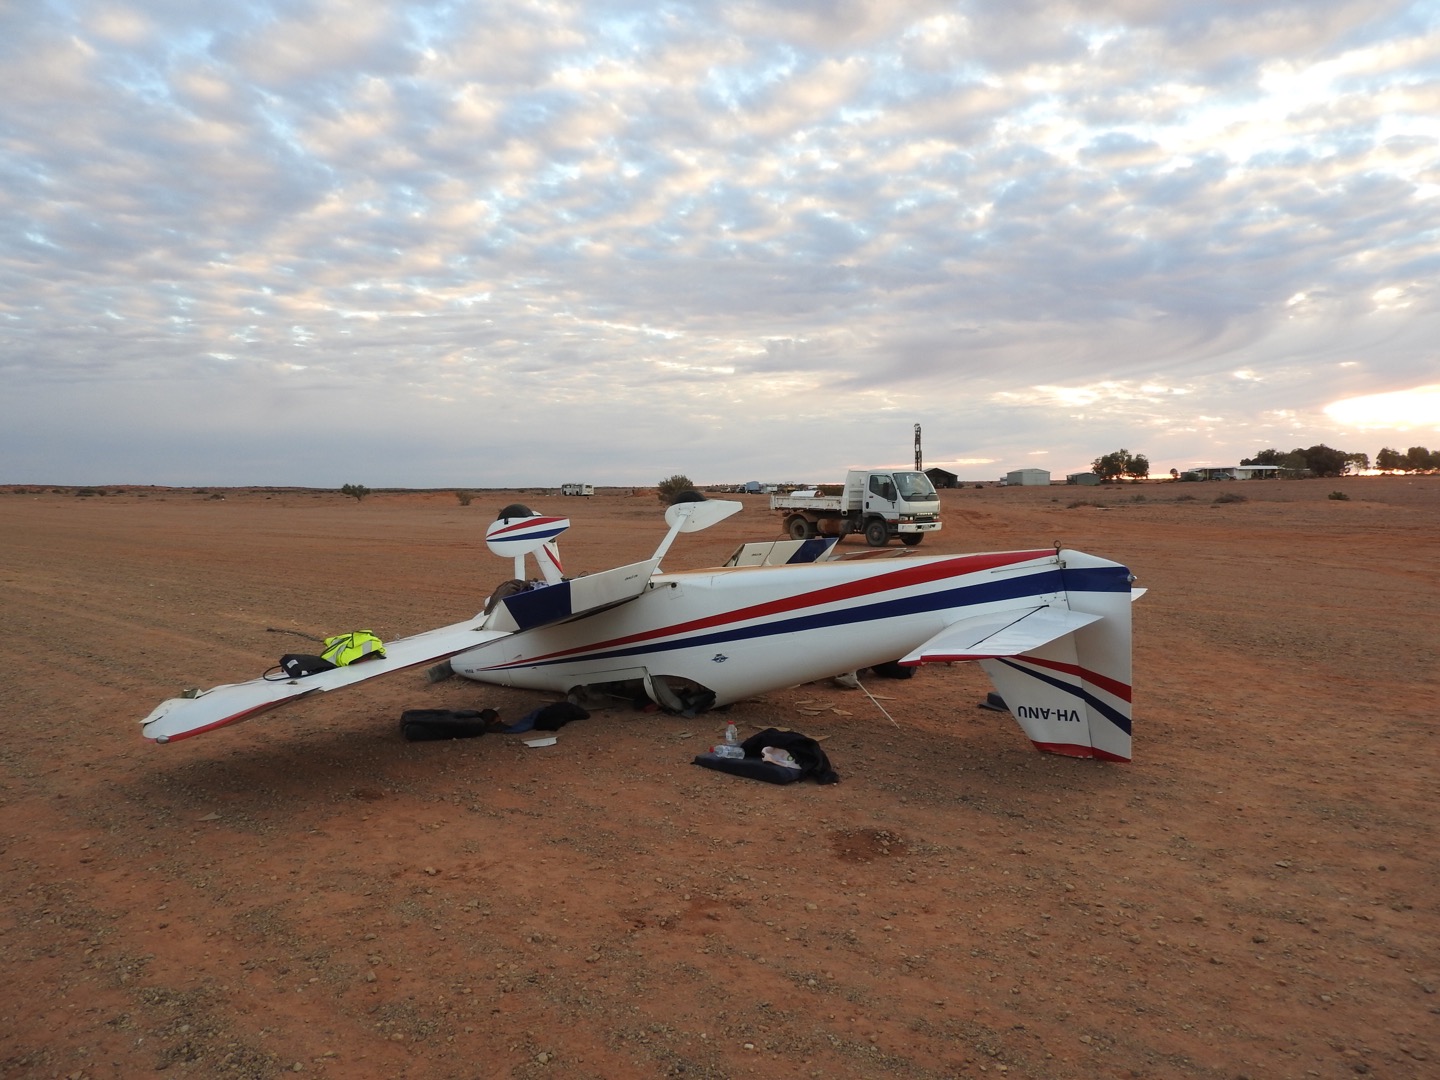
(881, 503)
(577, 489)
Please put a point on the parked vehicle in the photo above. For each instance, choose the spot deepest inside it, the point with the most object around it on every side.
(577, 489)
(881, 504)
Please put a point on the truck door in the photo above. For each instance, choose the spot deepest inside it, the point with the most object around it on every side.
(881, 494)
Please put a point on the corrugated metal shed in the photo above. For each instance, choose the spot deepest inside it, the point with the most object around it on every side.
(1028, 477)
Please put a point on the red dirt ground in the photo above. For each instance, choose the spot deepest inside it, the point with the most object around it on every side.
(1255, 895)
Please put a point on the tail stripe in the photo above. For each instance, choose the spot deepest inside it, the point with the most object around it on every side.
(1114, 715)
(1104, 682)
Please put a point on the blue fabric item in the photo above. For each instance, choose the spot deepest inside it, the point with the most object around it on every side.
(525, 723)
(550, 717)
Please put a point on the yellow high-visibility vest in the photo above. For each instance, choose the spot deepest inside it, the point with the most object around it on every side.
(349, 648)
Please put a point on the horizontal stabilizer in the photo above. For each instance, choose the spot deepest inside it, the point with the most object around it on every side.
(688, 517)
(1003, 633)
(523, 535)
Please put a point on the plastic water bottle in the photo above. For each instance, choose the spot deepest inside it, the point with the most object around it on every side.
(731, 747)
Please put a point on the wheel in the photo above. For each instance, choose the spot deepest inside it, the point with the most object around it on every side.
(798, 528)
(876, 534)
(911, 539)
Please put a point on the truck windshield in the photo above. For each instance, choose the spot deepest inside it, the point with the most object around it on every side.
(914, 486)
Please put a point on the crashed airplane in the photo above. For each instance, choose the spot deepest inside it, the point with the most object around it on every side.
(1051, 627)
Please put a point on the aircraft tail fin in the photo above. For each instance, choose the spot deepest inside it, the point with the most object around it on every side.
(1072, 695)
(1064, 670)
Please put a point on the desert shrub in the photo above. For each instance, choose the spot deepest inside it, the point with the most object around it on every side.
(464, 497)
(1186, 498)
(355, 491)
(1079, 503)
(1231, 497)
(671, 486)
(1339, 496)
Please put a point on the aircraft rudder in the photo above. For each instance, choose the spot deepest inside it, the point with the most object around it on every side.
(1072, 695)
(1103, 649)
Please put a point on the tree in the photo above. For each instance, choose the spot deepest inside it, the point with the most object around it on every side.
(1264, 457)
(1361, 462)
(1389, 459)
(1294, 463)
(1323, 460)
(673, 486)
(355, 491)
(1118, 463)
(1419, 459)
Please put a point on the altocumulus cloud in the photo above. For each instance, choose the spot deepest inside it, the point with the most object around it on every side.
(500, 242)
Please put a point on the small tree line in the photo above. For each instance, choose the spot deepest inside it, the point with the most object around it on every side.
(1318, 460)
(1322, 460)
(1415, 459)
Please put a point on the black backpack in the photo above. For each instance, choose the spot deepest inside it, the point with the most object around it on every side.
(297, 666)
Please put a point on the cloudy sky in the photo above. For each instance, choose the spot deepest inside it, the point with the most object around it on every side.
(526, 241)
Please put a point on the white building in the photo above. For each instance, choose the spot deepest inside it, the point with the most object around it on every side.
(1028, 478)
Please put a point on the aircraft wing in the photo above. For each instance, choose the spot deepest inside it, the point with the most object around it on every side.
(182, 717)
(1004, 633)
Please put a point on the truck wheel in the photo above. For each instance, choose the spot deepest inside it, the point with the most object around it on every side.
(911, 539)
(876, 534)
(798, 528)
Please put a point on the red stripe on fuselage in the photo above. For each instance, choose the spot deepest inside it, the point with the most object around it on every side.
(905, 577)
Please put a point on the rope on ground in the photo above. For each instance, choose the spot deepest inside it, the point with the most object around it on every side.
(877, 703)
